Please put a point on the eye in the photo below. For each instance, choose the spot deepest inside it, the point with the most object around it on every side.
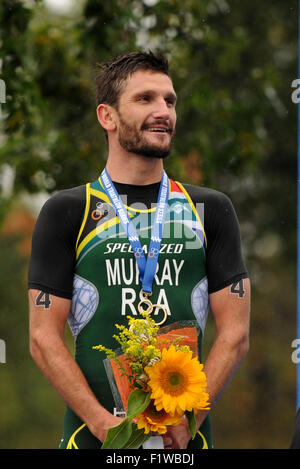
(170, 102)
(144, 98)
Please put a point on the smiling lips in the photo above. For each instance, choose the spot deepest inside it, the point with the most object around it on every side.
(159, 129)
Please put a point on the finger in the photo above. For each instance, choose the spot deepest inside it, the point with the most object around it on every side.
(167, 441)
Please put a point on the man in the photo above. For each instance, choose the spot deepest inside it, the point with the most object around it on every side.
(82, 267)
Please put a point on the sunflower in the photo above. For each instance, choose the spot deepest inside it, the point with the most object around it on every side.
(153, 420)
(178, 382)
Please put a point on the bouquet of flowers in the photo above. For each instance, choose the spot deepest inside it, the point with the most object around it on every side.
(157, 378)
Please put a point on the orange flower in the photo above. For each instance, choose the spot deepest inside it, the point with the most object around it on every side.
(153, 420)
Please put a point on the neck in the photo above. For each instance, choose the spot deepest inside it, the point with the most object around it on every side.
(134, 169)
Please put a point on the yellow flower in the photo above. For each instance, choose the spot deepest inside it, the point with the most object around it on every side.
(177, 382)
(152, 420)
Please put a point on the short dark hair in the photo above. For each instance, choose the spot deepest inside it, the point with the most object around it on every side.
(112, 75)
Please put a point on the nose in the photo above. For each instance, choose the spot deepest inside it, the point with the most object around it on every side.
(161, 110)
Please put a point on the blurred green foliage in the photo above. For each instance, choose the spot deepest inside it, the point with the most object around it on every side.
(232, 65)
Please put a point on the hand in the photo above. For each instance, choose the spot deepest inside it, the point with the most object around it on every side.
(178, 436)
(101, 430)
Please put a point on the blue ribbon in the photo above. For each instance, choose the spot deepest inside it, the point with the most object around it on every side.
(147, 267)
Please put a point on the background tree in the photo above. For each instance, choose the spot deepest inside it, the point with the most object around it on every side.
(232, 65)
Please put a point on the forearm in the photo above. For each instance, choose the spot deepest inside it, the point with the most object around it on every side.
(56, 362)
(222, 363)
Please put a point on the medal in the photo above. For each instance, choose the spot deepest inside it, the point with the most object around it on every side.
(147, 267)
(150, 307)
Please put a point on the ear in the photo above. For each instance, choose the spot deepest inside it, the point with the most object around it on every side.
(106, 117)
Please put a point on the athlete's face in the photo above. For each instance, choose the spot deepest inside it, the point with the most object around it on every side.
(146, 114)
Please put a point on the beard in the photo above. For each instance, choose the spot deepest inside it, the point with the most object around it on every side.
(133, 141)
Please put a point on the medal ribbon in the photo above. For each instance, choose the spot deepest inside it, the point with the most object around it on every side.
(147, 267)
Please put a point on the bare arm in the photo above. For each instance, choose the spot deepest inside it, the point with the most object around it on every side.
(52, 356)
(231, 313)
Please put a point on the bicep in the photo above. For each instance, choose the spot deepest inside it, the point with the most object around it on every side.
(48, 313)
(230, 307)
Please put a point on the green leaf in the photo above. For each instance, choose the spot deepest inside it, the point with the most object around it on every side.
(138, 401)
(118, 436)
(192, 422)
(137, 438)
